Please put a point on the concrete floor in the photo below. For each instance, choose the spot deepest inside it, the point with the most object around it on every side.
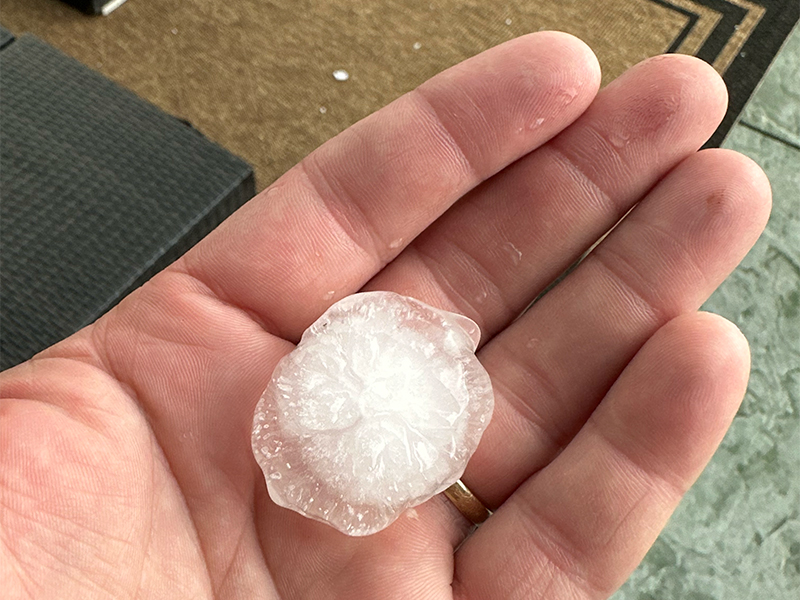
(736, 535)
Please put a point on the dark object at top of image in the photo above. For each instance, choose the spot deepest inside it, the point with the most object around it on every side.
(96, 7)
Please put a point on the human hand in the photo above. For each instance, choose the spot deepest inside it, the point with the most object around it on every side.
(125, 460)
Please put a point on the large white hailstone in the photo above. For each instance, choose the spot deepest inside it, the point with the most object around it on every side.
(378, 409)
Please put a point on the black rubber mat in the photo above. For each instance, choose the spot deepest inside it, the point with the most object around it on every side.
(6, 37)
(100, 190)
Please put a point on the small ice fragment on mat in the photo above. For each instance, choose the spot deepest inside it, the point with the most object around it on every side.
(378, 408)
(416, 46)
(174, 31)
(341, 75)
(323, 110)
(508, 21)
(111, 6)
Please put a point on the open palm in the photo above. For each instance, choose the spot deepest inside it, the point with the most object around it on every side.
(125, 460)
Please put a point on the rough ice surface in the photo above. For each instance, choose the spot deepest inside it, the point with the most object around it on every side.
(378, 409)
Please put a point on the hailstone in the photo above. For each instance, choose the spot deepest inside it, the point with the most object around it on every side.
(377, 409)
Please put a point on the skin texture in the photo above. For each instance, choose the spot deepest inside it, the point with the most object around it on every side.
(125, 461)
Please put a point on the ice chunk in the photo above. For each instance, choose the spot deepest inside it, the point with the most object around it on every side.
(378, 409)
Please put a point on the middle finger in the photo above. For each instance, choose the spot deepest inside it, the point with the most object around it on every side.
(497, 248)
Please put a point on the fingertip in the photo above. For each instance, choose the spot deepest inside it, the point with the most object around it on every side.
(570, 61)
(709, 358)
(706, 78)
(574, 50)
(674, 402)
(670, 99)
(750, 177)
(695, 72)
(726, 342)
(507, 101)
(735, 189)
(703, 84)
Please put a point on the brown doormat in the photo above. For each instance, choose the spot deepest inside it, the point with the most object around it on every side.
(257, 77)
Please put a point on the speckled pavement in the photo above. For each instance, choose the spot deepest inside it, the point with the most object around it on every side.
(736, 535)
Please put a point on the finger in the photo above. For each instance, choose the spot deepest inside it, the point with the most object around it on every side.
(552, 367)
(580, 526)
(495, 250)
(329, 224)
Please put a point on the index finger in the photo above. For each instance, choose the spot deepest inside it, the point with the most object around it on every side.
(329, 224)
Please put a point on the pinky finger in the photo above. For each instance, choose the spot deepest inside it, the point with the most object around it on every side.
(580, 526)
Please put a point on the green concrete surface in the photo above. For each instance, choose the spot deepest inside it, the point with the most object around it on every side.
(736, 535)
(775, 108)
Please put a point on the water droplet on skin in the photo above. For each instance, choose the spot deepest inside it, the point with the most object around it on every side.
(411, 513)
(341, 75)
(569, 94)
(619, 139)
(508, 21)
(416, 46)
(537, 123)
(481, 297)
(329, 295)
(514, 252)
(532, 342)
(323, 110)
(394, 244)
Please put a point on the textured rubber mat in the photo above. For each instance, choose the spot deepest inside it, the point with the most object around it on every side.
(100, 190)
(6, 37)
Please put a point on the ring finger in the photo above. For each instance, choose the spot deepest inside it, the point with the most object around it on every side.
(552, 367)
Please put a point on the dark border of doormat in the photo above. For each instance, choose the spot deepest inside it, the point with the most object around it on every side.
(754, 52)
